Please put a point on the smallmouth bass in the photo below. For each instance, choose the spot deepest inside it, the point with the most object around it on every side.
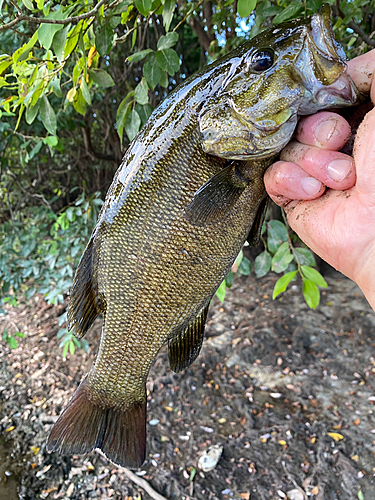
(188, 194)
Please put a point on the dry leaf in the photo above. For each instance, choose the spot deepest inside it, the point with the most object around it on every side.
(336, 436)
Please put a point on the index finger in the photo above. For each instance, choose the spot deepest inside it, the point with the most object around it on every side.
(362, 71)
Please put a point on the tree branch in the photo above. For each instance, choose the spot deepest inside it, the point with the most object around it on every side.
(68, 20)
(354, 26)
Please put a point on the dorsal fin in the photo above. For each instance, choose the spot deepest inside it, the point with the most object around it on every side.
(185, 347)
(84, 305)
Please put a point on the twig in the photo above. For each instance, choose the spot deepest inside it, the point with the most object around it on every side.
(143, 484)
(122, 39)
(188, 14)
(138, 480)
(68, 20)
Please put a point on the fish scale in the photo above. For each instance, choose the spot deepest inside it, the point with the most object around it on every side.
(187, 195)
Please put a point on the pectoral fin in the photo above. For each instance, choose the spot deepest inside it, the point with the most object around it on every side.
(185, 347)
(216, 197)
(256, 229)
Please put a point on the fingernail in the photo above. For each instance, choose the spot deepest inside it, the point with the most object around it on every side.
(339, 169)
(311, 185)
(325, 130)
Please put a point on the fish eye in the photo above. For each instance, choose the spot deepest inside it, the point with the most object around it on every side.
(262, 60)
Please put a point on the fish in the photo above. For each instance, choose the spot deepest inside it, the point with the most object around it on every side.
(188, 194)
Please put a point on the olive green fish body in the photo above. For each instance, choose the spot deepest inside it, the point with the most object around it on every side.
(187, 195)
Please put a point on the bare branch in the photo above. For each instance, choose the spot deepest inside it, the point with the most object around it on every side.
(68, 20)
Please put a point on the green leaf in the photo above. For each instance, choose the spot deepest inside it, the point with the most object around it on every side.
(31, 113)
(168, 40)
(277, 230)
(71, 347)
(229, 279)
(23, 52)
(85, 91)
(314, 275)
(311, 293)
(151, 71)
(143, 6)
(245, 267)
(104, 39)
(168, 9)
(79, 103)
(164, 80)
(262, 264)
(47, 115)
(51, 140)
(132, 124)
(304, 257)
(141, 92)
(282, 283)
(20, 334)
(360, 495)
(65, 350)
(290, 12)
(122, 111)
(246, 7)
(220, 292)
(12, 342)
(28, 4)
(101, 77)
(144, 112)
(282, 258)
(55, 86)
(138, 56)
(59, 41)
(46, 33)
(168, 60)
(35, 150)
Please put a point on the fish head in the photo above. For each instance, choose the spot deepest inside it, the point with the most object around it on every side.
(294, 69)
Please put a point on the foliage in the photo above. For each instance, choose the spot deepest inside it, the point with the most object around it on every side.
(11, 339)
(77, 81)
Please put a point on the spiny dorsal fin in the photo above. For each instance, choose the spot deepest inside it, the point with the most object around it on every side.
(185, 347)
(83, 303)
(216, 197)
(256, 229)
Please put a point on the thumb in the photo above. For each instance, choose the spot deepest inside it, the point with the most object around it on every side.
(364, 156)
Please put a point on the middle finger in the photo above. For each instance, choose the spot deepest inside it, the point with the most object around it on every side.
(335, 170)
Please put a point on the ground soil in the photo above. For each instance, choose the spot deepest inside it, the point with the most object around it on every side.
(287, 392)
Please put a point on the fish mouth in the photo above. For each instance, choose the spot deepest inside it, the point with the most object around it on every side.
(321, 66)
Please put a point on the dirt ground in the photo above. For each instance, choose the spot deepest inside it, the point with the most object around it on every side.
(287, 392)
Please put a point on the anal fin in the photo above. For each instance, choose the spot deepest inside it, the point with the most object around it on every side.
(83, 426)
(184, 348)
(256, 229)
(83, 302)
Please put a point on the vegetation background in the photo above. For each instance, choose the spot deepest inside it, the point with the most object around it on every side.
(78, 78)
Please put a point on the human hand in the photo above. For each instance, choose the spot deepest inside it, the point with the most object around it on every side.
(329, 197)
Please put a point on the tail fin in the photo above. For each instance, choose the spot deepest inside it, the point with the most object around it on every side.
(83, 426)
